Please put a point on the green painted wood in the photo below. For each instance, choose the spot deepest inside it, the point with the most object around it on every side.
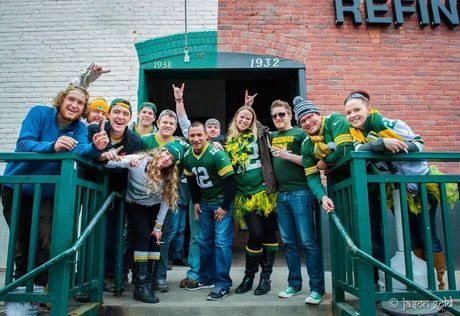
(428, 244)
(34, 233)
(13, 234)
(361, 214)
(447, 231)
(61, 237)
(350, 225)
(385, 234)
(406, 231)
(73, 195)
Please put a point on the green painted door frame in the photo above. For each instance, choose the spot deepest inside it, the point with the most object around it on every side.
(167, 54)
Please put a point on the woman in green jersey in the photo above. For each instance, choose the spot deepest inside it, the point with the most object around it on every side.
(248, 149)
(373, 132)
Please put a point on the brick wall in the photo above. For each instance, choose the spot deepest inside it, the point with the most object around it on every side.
(411, 72)
(44, 44)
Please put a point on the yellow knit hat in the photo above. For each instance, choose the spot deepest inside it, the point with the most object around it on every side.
(99, 104)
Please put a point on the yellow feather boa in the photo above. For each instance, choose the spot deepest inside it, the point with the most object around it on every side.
(262, 202)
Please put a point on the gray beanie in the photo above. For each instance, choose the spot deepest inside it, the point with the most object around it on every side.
(303, 107)
(212, 121)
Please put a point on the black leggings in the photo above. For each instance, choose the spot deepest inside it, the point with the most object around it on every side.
(262, 230)
(141, 220)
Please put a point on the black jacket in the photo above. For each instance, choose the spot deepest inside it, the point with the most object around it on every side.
(118, 177)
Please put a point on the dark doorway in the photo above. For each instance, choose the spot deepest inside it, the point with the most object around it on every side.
(219, 93)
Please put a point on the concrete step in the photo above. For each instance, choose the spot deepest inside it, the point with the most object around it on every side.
(178, 301)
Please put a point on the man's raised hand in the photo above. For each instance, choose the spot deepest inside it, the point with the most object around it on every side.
(178, 92)
(249, 99)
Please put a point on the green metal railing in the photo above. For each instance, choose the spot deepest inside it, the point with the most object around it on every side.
(350, 233)
(76, 261)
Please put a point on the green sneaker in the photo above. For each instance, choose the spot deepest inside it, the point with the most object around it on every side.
(314, 298)
(288, 292)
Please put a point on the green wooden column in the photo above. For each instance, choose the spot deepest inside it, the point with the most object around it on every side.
(365, 273)
(61, 238)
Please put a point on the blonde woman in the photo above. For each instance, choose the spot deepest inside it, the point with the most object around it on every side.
(248, 149)
(152, 189)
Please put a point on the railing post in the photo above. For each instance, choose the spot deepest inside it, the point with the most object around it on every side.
(361, 217)
(119, 247)
(61, 238)
(98, 239)
(337, 257)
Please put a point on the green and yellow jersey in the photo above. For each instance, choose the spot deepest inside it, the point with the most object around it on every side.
(332, 143)
(210, 168)
(248, 175)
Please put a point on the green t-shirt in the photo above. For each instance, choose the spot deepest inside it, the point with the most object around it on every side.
(336, 130)
(249, 177)
(152, 141)
(135, 129)
(210, 168)
(290, 176)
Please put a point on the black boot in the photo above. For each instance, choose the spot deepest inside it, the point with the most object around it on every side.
(267, 269)
(142, 290)
(252, 265)
(152, 272)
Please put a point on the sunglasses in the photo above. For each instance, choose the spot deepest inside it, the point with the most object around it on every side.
(356, 96)
(279, 114)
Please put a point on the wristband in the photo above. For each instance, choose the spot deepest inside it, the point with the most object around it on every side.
(179, 100)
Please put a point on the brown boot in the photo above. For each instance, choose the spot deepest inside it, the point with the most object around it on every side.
(419, 253)
(439, 262)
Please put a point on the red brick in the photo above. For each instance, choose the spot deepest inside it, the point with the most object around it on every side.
(411, 72)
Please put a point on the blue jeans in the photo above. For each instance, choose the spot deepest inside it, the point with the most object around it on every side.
(194, 247)
(167, 236)
(176, 247)
(417, 228)
(295, 219)
(216, 239)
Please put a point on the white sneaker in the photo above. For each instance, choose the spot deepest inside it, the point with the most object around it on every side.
(314, 298)
(288, 292)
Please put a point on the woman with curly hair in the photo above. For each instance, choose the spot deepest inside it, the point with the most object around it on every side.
(255, 202)
(152, 189)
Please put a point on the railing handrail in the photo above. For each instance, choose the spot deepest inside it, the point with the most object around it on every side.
(415, 156)
(34, 156)
(70, 251)
(371, 260)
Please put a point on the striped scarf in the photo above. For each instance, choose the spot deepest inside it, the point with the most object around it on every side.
(373, 127)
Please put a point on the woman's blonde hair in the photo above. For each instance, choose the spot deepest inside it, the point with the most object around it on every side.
(166, 178)
(59, 98)
(233, 131)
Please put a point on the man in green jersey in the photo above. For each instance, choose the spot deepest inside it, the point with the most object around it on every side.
(167, 124)
(212, 185)
(295, 206)
(328, 140)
